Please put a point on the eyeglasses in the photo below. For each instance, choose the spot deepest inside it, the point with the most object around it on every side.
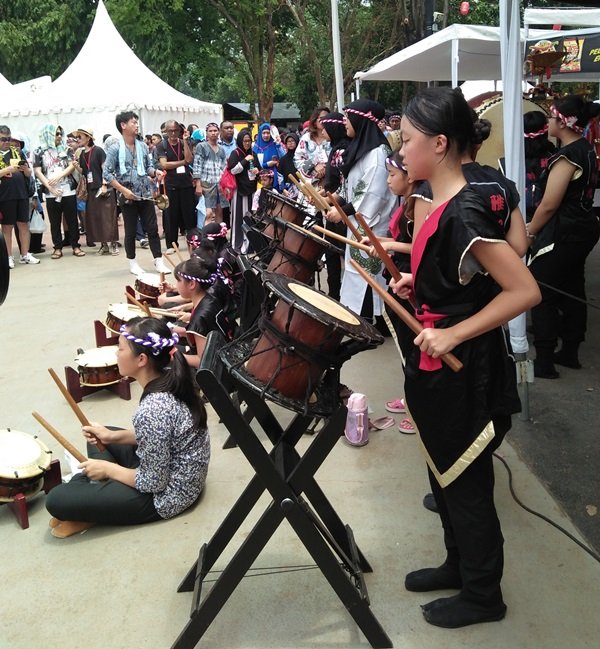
(5, 139)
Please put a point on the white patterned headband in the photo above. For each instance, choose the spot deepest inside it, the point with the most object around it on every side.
(152, 341)
(535, 134)
(207, 281)
(569, 121)
(368, 115)
(222, 232)
(332, 121)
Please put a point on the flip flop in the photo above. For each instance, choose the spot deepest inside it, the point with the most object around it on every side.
(381, 423)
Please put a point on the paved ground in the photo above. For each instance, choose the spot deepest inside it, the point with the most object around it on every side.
(561, 442)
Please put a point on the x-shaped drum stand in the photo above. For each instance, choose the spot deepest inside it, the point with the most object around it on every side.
(296, 496)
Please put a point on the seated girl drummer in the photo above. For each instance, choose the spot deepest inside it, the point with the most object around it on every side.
(158, 469)
(195, 282)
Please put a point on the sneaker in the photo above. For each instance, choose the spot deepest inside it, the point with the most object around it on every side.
(114, 248)
(11, 262)
(160, 266)
(103, 250)
(397, 405)
(135, 268)
(28, 259)
(407, 427)
(144, 243)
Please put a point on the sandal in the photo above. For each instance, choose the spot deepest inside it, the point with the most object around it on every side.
(78, 252)
(406, 427)
(396, 405)
(57, 254)
(381, 423)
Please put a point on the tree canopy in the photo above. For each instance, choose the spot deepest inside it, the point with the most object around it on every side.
(255, 51)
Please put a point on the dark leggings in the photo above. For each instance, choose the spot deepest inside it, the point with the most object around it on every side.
(67, 206)
(108, 502)
(181, 213)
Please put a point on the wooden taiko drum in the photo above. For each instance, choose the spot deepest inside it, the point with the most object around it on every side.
(24, 459)
(98, 367)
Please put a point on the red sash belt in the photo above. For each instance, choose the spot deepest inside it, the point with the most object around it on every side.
(424, 315)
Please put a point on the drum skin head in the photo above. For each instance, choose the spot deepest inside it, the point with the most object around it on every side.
(22, 455)
(98, 357)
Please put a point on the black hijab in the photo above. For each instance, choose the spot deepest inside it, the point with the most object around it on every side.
(240, 138)
(364, 115)
(333, 123)
(286, 162)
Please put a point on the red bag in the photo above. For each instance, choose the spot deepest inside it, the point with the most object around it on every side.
(228, 183)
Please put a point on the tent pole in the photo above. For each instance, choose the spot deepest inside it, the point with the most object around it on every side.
(455, 62)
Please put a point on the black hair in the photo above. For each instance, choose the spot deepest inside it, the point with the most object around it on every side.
(398, 158)
(577, 106)
(123, 117)
(4, 129)
(442, 111)
(105, 137)
(195, 267)
(175, 374)
(540, 146)
(314, 116)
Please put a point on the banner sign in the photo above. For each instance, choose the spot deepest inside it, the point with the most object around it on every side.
(582, 53)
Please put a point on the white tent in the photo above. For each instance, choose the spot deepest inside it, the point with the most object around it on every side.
(571, 17)
(105, 78)
(465, 52)
(5, 84)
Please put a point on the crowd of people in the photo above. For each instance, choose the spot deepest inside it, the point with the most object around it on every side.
(436, 212)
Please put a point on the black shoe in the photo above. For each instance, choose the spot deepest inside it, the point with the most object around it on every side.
(544, 370)
(455, 612)
(430, 504)
(567, 360)
(426, 579)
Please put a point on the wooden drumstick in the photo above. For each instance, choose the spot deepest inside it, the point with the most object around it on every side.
(140, 305)
(176, 248)
(310, 192)
(411, 322)
(343, 239)
(80, 457)
(345, 218)
(382, 253)
(74, 407)
(168, 259)
(162, 278)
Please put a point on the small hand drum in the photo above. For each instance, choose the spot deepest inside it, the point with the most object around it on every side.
(98, 367)
(148, 286)
(120, 314)
(299, 340)
(24, 459)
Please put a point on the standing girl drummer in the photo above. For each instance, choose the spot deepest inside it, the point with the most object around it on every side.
(158, 469)
(467, 282)
(563, 231)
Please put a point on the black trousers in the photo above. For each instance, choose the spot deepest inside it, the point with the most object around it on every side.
(472, 533)
(109, 502)
(147, 215)
(182, 213)
(67, 206)
(557, 315)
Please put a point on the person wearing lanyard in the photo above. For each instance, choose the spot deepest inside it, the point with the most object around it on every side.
(175, 157)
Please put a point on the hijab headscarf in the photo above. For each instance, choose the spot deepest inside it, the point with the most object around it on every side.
(239, 140)
(364, 115)
(333, 123)
(267, 150)
(47, 138)
(286, 164)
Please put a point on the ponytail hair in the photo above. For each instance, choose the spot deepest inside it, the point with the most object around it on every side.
(175, 374)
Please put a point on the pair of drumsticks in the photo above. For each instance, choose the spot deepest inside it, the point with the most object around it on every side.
(80, 457)
(322, 203)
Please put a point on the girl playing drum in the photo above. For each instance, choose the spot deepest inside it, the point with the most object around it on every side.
(467, 281)
(158, 469)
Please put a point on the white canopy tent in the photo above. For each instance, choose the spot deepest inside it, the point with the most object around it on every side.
(575, 17)
(105, 78)
(5, 84)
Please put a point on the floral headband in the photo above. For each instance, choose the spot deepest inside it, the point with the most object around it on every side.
(569, 121)
(368, 115)
(152, 340)
(535, 134)
(194, 241)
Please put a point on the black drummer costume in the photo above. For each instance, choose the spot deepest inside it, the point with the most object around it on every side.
(462, 417)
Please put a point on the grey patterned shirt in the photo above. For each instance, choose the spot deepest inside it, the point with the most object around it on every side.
(208, 165)
(173, 453)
